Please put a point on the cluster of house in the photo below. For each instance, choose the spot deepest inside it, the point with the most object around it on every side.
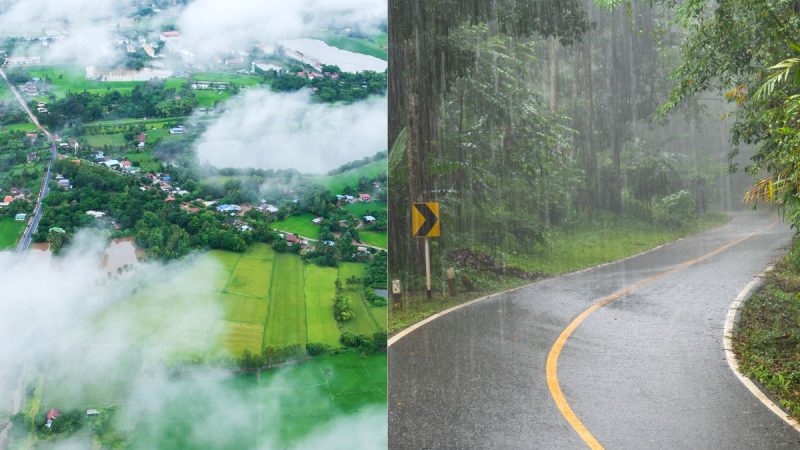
(63, 183)
(31, 88)
(313, 75)
(14, 194)
(163, 182)
(352, 199)
(210, 85)
(115, 164)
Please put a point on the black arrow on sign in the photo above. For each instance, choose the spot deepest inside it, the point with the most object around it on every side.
(430, 219)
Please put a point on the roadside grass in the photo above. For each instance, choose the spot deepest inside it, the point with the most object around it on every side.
(10, 231)
(336, 183)
(286, 321)
(565, 251)
(766, 339)
(375, 238)
(319, 293)
(300, 224)
(602, 241)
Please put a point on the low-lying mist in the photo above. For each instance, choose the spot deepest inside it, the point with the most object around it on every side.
(136, 340)
(269, 130)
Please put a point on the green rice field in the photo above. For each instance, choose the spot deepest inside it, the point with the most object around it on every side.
(300, 225)
(266, 299)
(378, 239)
(336, 183)
(363, 322)
(10, 231)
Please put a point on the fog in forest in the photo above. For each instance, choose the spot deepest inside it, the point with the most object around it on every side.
(539, 124)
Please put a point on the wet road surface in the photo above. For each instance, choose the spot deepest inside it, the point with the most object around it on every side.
(645, 371)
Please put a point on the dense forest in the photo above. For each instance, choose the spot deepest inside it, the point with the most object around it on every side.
(524, 116)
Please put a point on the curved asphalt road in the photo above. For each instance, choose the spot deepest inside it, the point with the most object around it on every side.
(645, 371)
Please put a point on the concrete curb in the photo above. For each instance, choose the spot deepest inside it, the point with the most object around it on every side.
(730, 322)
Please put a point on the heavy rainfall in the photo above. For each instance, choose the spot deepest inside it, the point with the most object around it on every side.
(597, 164)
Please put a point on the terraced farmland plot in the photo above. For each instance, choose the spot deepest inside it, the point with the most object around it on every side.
(281, 408)
(362, 323)
(287, 310)
(239, 336)
(245, 309)
(251, 278)
(320, 290)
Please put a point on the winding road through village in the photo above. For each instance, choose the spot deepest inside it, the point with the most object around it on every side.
(33, 221)
(628, 355)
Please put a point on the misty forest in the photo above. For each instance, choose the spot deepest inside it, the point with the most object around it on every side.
(559, 135)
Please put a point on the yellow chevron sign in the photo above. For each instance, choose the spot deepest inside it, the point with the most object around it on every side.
(425, 220)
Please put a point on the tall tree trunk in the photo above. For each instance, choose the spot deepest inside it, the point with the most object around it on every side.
(591, 155)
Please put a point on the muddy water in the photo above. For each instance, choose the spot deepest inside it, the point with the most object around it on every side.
(121, 253)
(118, 254)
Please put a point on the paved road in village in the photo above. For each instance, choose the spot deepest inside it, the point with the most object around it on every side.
(26, 239)
(647, 370)
(33, 221)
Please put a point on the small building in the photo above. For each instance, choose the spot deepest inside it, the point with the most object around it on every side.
(362, 249)
(317, 220)
(21, 217)
(349, 198)
(370, 219)
(111, 163)
(228, 208)
(364, 197)
(177, 130)
(292, 239)
(51, 415)
(96, 214)
(8, 199)
(57, 230)
(329, 243)
(170, 36)
(92, 412)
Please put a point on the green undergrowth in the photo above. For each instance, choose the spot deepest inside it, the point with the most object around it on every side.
(563, 251)
(767, 338)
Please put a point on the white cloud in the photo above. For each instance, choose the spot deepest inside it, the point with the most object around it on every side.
(89, 24)
(287, 131)
(209, 26)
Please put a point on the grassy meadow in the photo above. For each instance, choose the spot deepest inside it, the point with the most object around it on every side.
(300, 224)
(336, 183)
(10, 231)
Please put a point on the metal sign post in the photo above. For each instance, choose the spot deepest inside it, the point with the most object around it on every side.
(425, 224)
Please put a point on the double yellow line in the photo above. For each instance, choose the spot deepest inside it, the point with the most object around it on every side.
(558, 346)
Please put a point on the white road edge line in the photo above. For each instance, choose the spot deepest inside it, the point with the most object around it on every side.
(430, 319)
(730, 356)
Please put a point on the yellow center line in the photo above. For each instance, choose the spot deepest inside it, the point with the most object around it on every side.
(555, 351)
